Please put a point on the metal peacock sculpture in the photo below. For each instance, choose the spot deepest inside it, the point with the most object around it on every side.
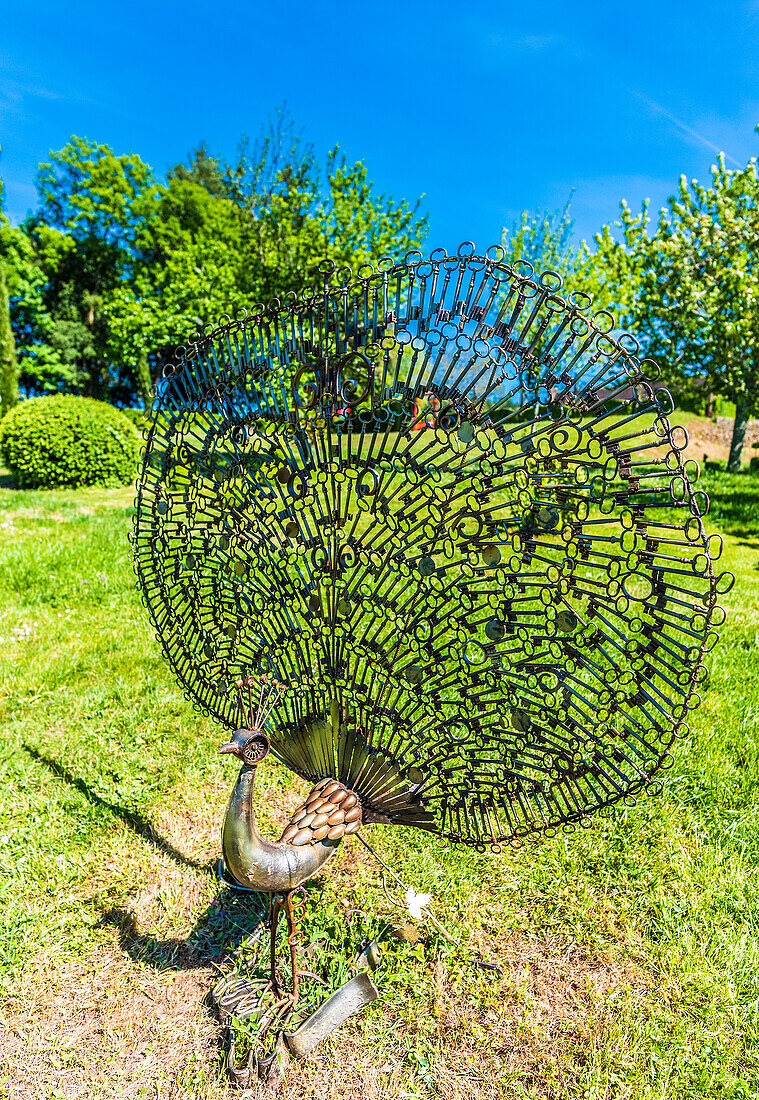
(429, 535)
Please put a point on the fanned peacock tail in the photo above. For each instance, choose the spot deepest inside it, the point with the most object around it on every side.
(434, 531)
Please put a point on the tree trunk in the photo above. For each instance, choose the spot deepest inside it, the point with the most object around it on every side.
(8, 361)
(143, 379)
(739, 433)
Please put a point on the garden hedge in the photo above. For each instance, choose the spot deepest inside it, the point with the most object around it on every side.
(66, 441)
(136, 417)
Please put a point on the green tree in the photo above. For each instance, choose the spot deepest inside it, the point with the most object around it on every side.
(360, 225)
(91, 208)
(8, 361)
(695, 306)
(219, 236)
(186, 274)
(611, 272)
(95, 197)
(293, 214)
(115, 270)
(24, 283)
(201, 168)
(545, 240)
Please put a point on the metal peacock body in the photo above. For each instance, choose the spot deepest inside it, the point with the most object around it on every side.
(430, 534)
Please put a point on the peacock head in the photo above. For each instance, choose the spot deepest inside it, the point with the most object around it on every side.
(250, 745)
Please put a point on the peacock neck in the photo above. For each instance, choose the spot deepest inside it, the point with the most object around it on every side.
(242, 800)
(255, 862)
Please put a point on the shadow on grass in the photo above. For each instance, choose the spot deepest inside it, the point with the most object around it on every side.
(734, 503)
(231, 918)
(226, 922)
(139, 824)
(224, 925)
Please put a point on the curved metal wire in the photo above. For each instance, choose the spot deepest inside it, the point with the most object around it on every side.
(443, 509)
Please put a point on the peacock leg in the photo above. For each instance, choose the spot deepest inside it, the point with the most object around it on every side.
(275, 909)
(292, 938)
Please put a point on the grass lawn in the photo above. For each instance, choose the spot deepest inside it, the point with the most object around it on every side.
(629, 951)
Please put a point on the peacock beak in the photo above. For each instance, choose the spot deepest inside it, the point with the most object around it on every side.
(236, 742)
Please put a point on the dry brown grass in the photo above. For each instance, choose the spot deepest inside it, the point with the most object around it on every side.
(106, 1025)
(103, 1026)
(130, 1019)
(549, 1008)
(712, 438)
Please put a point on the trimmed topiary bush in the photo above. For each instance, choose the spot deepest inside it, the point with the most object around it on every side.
(136, 417)
(66, 441)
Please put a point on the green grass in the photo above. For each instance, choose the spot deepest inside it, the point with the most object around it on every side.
(629, 951)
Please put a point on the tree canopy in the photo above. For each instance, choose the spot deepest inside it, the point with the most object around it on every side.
(545, 240)
(8, 360)
(114, 269)
(686, 285)
(692, 288)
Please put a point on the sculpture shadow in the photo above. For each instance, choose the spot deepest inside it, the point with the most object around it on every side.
(142, 826)
(231, 918)
(227, 921)
(224, 925)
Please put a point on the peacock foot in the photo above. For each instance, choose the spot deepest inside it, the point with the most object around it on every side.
(267, 1022)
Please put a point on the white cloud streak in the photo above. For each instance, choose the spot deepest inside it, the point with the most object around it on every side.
(524, 43)
(659, 110)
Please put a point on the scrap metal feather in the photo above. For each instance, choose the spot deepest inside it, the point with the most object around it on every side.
(432, 535)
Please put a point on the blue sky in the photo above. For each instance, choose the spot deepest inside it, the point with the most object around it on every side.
(488, 108)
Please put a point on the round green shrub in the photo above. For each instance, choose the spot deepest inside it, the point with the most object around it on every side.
(136, 417)
(67, 441)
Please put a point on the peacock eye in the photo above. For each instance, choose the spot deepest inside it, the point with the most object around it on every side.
(255, 749)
